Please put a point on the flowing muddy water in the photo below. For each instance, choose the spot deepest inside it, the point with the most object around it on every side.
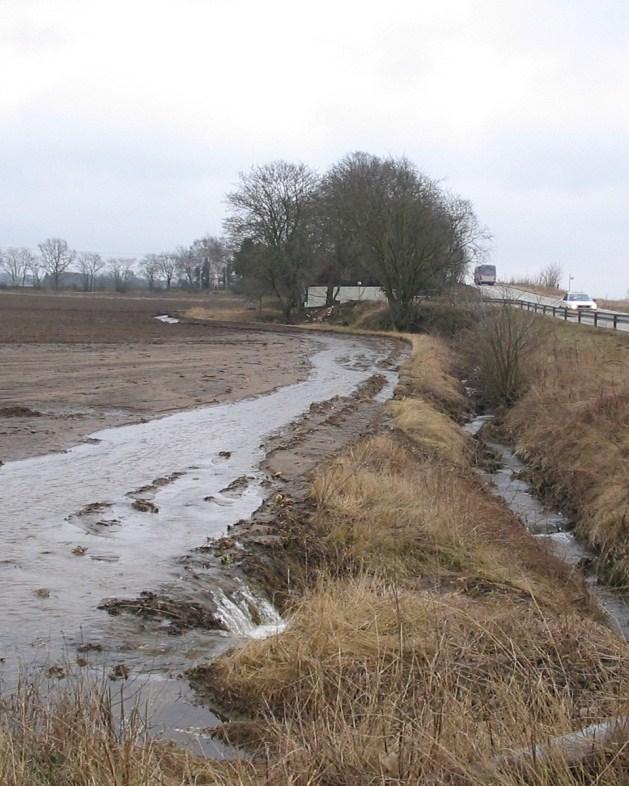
(553, 528)
(112, 517)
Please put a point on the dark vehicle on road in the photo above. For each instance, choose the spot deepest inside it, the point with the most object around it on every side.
(485, 274)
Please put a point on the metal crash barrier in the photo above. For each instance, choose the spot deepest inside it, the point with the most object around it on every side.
(604, 319)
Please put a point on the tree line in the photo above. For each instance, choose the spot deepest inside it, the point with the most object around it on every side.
(377, 220)
(205, 264)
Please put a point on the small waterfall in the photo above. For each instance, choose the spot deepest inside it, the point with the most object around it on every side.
(246, 613)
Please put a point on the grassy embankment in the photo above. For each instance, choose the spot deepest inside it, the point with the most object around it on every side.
(437, 633)
(228, 307)
(614, 305)
(533, 285)
(433, 635)
(572, 427)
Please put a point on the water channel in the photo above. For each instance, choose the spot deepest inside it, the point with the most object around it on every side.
(112, 517)
(553, 528)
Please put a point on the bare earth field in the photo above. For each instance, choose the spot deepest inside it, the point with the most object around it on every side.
(71, 364)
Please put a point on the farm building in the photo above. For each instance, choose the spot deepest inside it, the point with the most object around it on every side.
(344, 294)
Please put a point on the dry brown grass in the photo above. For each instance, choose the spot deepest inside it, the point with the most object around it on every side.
(374, 684)
(75, 737)
(439, 635)
(573, 428)
(614, 305)
(385, 509)
(374, 315)
(531, 285)
(428, 374)
(222, 314)
(432, 431)
(227, 307)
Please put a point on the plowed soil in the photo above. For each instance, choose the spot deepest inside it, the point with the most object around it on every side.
(71, 364)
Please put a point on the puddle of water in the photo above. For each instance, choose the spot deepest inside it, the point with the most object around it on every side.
(62, 554)
(553, 528)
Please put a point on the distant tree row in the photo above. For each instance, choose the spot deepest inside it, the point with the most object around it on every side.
(378, 220)
(206, 264)
(375, 220)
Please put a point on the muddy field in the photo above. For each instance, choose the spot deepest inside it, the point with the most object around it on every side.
(71, 364)
(113, 554)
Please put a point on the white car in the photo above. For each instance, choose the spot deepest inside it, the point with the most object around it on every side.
(575, 301)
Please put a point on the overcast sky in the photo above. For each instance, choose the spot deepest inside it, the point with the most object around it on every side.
(123, 123)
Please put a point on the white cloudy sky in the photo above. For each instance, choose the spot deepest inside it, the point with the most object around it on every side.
(123, 123)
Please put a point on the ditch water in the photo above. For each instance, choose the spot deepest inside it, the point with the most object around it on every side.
(113, 516)
(554, 529)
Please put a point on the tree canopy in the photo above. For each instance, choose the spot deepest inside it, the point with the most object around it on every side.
(367, 218)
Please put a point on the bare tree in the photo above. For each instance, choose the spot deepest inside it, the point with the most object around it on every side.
(17, 263)
(337, 248)
(188, 267)
(502, 346)
(56, 258)
(411, 236)
(213, 258)
(150, 268)
(167, 267)
(89, 265)
(550, 277)
(35, 268)
(272, 210)
(121, 271)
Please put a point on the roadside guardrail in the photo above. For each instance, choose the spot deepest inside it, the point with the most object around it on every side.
(605, 319)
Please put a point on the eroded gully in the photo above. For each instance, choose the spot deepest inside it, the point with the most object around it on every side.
(113, 516)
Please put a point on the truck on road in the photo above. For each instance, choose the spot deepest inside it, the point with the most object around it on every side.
(485, 274)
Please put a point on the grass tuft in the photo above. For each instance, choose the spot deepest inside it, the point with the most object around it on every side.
(82, 735)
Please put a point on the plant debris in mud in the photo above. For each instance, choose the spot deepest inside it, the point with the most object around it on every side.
(19, 412)
(156, 484)
(178, 615)
(93, 507)
(89, 646)
(145, 506)
(119, 672)
(239, 484)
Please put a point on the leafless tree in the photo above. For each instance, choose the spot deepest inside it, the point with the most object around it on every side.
(89, 265)
(502, 346)
(167, 268)
(150, 268)
(213, 258)
(550, 277)
(35, 268)
(121, 271)
(17, 263)
(188, 267)
(56, 258)
(412, 237)
(271, 211)
(338, 252)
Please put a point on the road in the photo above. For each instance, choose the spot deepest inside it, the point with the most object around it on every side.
(603, 319)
